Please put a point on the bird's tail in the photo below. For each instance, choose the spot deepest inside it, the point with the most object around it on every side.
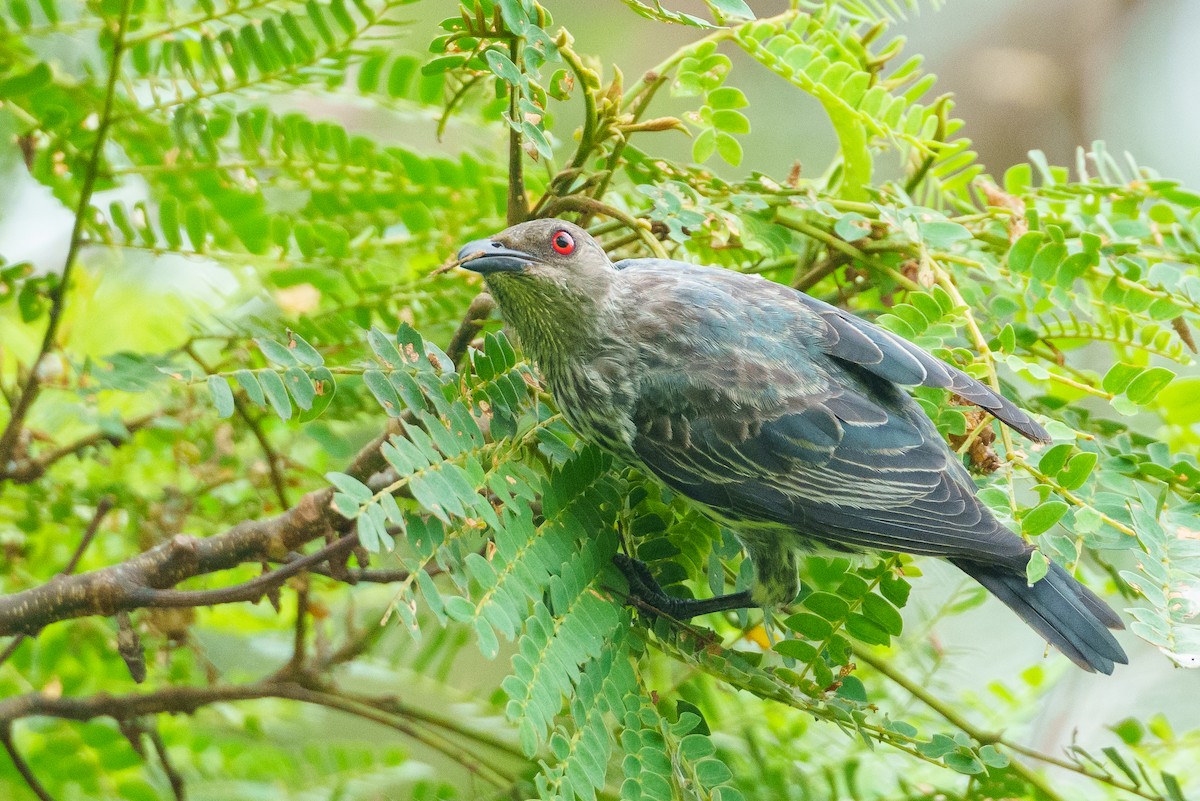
(1069, 615)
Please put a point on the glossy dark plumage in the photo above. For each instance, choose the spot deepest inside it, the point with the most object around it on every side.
(782, 415)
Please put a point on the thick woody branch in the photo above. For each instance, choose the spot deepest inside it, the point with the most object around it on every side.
(139, 582)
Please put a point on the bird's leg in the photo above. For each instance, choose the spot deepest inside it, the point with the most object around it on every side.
(646, 591)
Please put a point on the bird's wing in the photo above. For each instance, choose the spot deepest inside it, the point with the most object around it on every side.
(749, 405)
(854, 340)
(835, 332)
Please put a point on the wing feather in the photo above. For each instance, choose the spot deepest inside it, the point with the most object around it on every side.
(897, 360)
(797, 421)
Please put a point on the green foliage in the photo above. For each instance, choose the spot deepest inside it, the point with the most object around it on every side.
(480, 523)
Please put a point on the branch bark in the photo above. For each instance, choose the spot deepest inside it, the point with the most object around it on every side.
(143, 580)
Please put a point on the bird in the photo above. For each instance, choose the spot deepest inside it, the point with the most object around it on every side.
(783, 417)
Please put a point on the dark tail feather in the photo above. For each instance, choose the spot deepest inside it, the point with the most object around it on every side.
(1069, 615)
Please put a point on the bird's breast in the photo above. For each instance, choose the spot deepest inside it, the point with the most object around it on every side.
(596, 397)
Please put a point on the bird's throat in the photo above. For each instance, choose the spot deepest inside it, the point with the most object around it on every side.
(553, 326)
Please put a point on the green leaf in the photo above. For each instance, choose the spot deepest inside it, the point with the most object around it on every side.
(303, 351)
(852, 226)
(853, 689)
(1046, 262)
(809, 625)
(1055, 457)
(729, 149)
(966, 763)
(384, 392)
(862, 628)
(727, 97)
(27, 83)
(1145, 387)
(1077, 470)
(249, 384)
(796, 649)
(712, 772)
(993, 757)
(1020, 255)
(1115, 757)
(222, 396)
(1042, 517)
(1130, 730)
(937, 747)
(350, 485)
(276, 353)
(828, 606)
(324, 388)
(1036, 568)
(880, 611)
(1171, 786)
(384, 349)
(1119, 377)
(941, 234)
(276, 392)
(300, 386)
(733, 122)
(704, 145)
(731, 8)
(503, 66)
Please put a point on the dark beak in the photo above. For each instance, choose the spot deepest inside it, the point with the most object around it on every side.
(489, 256)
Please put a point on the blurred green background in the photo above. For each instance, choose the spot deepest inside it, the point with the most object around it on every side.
(1020, 84)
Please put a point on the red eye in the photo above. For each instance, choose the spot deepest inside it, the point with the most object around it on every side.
(562, 243)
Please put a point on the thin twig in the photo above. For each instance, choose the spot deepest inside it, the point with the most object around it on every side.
(468, 329)
(164, 758)
(21, 765)
(587, 205)
(301, 631)
(250, 590)
(826, 267)
(58, 295)
(984, 737)
(26, 471)
(187, 700)
(255, 426)
(102, 508)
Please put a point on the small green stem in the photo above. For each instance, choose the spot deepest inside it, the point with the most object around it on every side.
(850, 250)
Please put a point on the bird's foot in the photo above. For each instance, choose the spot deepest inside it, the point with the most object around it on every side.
(646, 594)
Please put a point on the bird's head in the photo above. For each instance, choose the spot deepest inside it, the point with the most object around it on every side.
(549, 277)
(545, 252)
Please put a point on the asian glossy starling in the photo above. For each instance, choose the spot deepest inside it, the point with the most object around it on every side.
(782, 416)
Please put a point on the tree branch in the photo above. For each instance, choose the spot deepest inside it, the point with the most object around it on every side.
(22, 766)
(32, 386)
(387, 711)
(984, 737)
(25, 471)
(468, 329)
(518, 204)
(255, 426)
(173, 775)
(144, 580)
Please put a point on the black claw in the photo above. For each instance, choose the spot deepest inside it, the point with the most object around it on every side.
(646, 594)
(644, 589)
